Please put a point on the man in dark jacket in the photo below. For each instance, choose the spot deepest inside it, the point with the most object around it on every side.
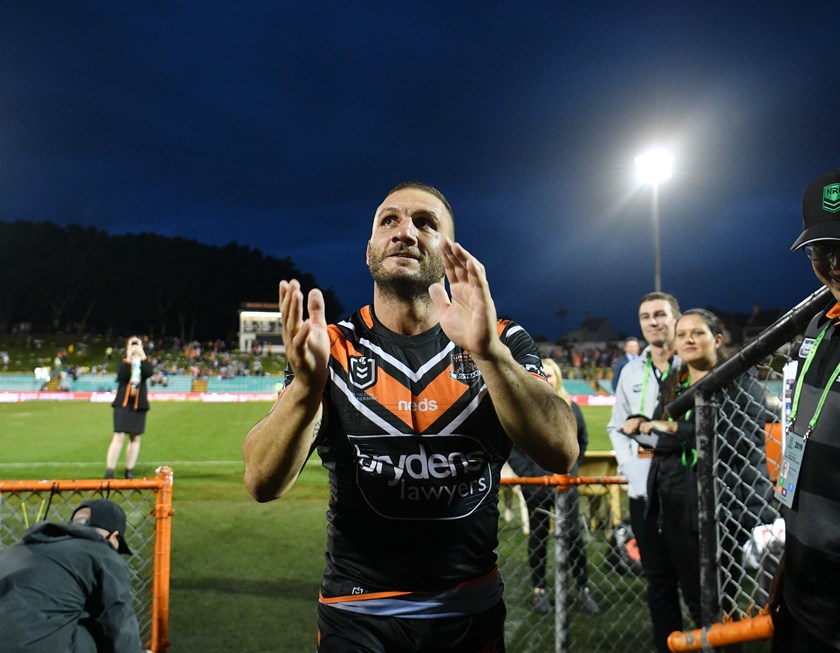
(65, 587)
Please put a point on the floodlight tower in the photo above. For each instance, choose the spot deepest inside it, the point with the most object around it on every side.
(654, 167)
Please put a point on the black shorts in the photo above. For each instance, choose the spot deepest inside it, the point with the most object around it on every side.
(340, 631)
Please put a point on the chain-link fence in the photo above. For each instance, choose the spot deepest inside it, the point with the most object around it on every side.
(746, 462)
(739, 430)
(739, 410)
(148, 507)
(596, 594)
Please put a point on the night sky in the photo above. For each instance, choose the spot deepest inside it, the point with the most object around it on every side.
(282, 125)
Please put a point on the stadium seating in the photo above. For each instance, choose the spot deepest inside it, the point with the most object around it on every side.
(23, 382)
(606, 385)
(244, 384)
(11, 382)
(94, 383)
(579, 387)
(174, 383)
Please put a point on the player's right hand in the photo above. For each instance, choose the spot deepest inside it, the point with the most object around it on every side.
(307, 341)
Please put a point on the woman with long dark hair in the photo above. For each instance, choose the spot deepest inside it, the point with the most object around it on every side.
(671, 520)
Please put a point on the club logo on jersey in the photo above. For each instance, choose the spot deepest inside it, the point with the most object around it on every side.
(422, 477)
(464, 368)
(362, 371)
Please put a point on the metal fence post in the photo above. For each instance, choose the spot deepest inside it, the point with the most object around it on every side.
(705, 420)
(561, 564)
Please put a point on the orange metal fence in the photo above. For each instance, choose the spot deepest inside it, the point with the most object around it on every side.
(723, 634)
(149, 532)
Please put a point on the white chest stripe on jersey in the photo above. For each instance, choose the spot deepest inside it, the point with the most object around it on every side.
(388, 428)
(411, 374)
(361, 407)
(468, 410)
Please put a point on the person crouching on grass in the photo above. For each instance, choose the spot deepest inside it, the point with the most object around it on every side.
(65, 587)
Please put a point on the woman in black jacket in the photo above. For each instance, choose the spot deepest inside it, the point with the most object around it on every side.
(671, 524)
(130, 407)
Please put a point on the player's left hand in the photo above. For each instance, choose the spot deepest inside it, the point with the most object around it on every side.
(468, 317)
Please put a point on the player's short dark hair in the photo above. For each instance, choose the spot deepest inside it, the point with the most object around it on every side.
(431, 190)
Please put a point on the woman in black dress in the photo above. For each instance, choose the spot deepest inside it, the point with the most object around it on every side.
(130, 407)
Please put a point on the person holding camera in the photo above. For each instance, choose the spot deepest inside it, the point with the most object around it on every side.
(130, 407)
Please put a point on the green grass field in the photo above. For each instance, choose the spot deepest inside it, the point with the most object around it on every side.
(244, 575)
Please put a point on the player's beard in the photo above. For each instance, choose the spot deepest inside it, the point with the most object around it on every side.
(403, 284)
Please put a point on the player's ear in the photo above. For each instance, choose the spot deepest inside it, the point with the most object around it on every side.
(367, 254)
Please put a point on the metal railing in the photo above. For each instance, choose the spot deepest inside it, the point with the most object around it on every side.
(148, 507)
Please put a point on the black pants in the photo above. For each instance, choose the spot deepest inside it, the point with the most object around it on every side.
(540, 502)
(671, 560)
(340, 631)
(637, 523)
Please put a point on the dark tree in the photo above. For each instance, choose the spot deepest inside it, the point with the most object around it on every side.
(82, 279)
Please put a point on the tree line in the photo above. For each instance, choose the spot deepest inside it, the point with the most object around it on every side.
(81, 279)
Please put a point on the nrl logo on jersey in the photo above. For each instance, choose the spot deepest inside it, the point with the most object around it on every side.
(362, 371)
(464, 368)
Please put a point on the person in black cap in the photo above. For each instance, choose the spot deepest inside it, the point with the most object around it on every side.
(65, 587)
(805, 606)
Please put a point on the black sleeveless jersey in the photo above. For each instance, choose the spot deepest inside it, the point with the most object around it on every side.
(414, 451)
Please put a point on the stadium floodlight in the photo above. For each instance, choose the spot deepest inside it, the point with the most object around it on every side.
(654, 167)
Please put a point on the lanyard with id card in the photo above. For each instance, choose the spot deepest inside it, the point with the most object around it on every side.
(792, 461)
(795, 443)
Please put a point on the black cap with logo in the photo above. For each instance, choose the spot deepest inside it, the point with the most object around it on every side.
(820, 210)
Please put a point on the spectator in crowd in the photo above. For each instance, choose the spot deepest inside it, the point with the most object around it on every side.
(412, 403)
(631, 352)
(540, 502)
(806, 612)
(131, 405)
(671, 554)
(65, 587)
(638, 394)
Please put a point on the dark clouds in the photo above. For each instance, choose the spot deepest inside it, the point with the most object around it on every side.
(281, 125)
